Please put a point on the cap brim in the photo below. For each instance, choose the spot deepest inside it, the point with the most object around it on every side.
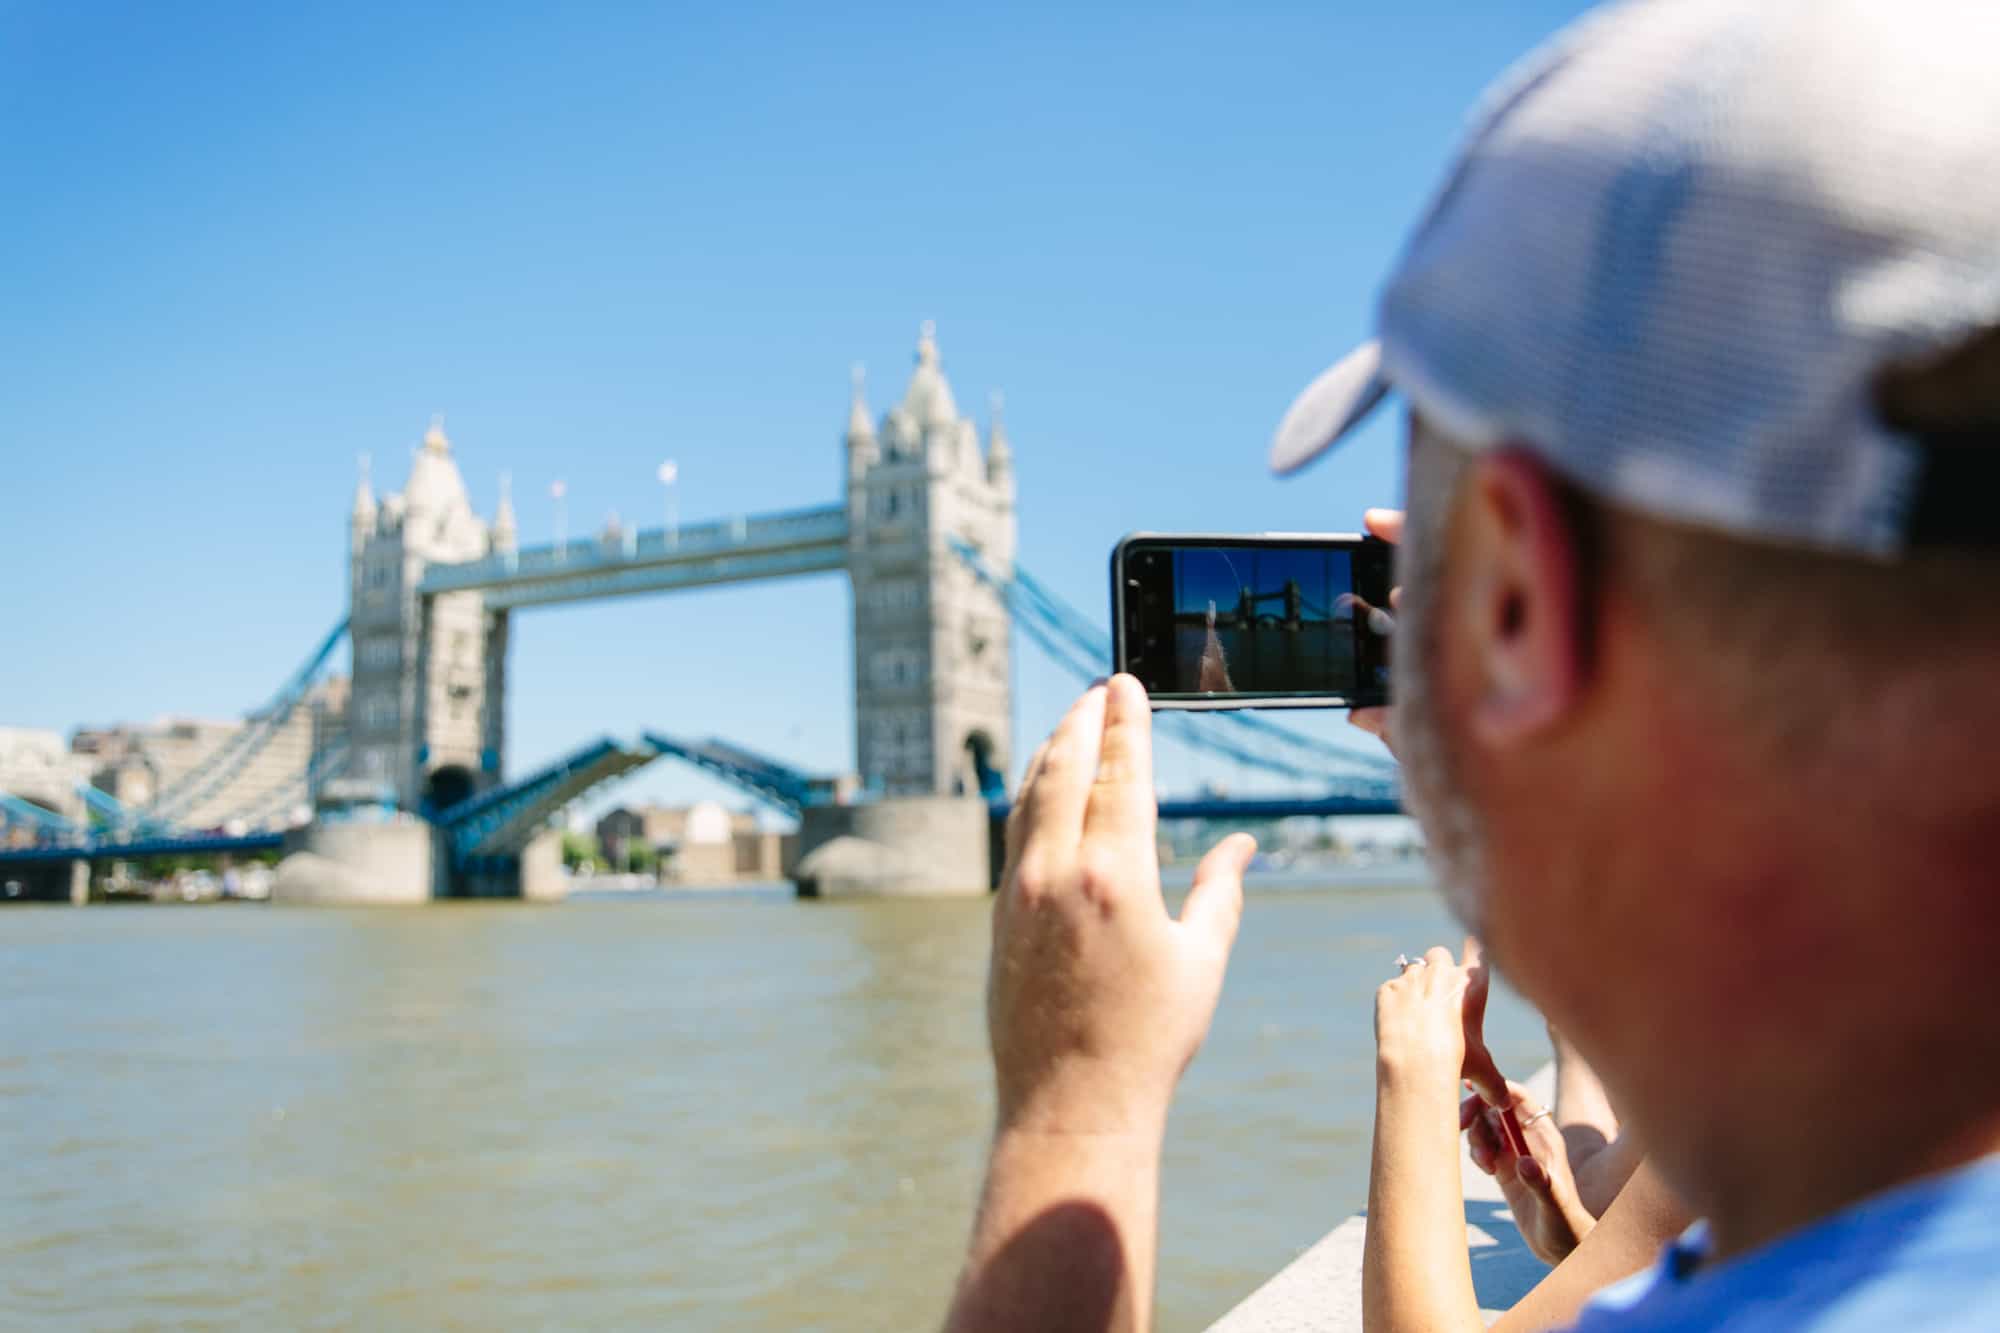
(1331, 406)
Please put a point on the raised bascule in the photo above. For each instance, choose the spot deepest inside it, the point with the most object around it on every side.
(415, 803)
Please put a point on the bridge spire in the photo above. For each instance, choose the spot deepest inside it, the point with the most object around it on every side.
(505, 530)
(363, 513)
(999, 454)
(928, 400)
(858, 425)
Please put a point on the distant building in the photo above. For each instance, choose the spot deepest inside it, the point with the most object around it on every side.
(36, 767)
(268, 786)
(702, 843)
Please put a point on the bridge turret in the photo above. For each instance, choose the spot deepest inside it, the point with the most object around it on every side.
(932, 668)
(428, 669)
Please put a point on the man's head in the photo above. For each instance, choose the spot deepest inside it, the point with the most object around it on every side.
(1701, 610)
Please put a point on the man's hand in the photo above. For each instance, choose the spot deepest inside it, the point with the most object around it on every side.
(1539, 1187)
(1097, 998)
(1096, 1001)
(1388, 525)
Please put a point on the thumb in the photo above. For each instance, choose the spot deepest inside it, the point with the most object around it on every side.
(1384, 523)
(1485, 1077)
(1215, 903)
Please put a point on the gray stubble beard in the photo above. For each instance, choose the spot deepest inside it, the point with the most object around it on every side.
(1452, 831)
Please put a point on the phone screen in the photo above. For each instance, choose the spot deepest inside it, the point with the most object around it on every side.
(1208, 621)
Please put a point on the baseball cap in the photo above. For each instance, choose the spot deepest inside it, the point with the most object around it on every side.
(1676, 250)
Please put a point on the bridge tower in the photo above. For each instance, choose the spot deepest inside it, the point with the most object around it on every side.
(932, 661)
(427, 709)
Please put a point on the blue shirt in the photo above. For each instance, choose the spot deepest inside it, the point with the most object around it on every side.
(1925, 1255)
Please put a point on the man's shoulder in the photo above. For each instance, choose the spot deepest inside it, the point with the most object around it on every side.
(1926, 1255)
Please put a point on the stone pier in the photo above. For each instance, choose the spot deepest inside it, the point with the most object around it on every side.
(359, 863)
(901, 846)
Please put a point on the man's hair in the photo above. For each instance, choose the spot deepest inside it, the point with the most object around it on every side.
(1803, 649)
(1806, 654)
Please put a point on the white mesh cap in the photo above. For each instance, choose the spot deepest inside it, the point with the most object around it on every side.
(1679, 244)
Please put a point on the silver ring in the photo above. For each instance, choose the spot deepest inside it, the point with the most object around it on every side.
(1404, 962)
(1539, 1115)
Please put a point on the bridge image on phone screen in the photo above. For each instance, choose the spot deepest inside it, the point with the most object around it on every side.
(1207, 619)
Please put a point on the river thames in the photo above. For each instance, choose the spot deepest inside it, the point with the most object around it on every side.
(731, 1112)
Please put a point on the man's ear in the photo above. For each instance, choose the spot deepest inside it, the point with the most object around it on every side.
(1522, 617)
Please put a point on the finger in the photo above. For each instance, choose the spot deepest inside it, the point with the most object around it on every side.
(1539, 1131)
(1468, 1111)
(1017, 822)
(1123, 807)
(1384, 523)
(1483, 1144)
(1477, 979)
(1479, 1066)
(1214, 905)
(1034, 769)
(1522, 1101)
(1054, 809)
(1374, 721)
(1484, 1075)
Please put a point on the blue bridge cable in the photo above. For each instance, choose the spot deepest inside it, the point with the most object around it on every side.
(328, 763)
(104, 807)
(229, 759)
(27, 812)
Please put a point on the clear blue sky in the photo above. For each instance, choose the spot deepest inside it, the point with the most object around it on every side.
(242, 244)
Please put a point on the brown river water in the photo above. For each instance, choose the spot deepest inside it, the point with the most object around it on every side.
(730, 1112)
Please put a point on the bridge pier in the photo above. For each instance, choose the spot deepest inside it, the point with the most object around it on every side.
(355, 862)
(535, 874)
(541, 879)
(901, 846)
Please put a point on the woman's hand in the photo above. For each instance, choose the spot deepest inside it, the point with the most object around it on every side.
(1539, 1187)
(1430, 1025)
(1414, 1272)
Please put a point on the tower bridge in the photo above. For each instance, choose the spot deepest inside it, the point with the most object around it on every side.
(412, 796)
(434, 591)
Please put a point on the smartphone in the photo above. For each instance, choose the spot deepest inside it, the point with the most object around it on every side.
(1280, 620)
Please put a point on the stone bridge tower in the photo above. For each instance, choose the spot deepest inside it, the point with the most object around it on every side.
(427, 713)
(933, 673)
